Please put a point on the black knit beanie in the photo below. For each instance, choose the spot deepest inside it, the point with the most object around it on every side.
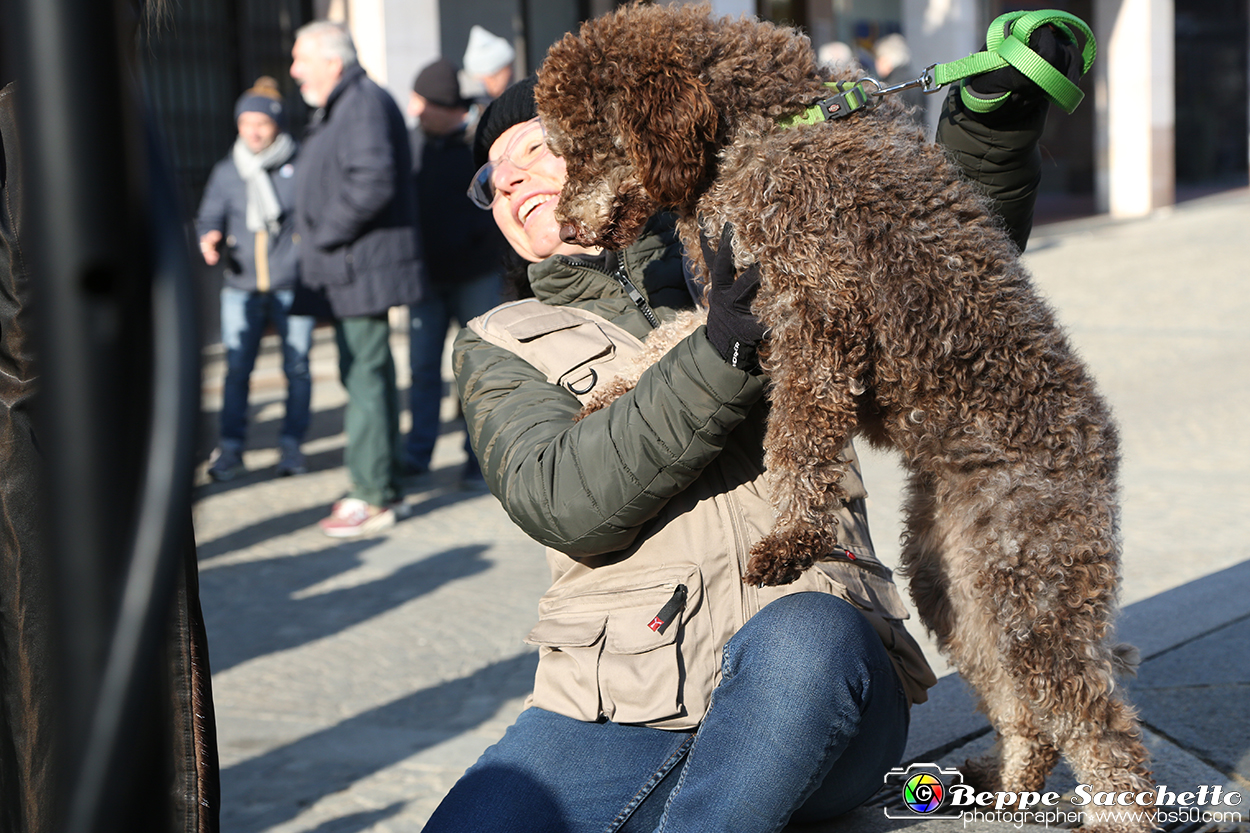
(514, 105)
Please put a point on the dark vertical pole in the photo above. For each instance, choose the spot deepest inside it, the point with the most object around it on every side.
(115, 335)
(521, 25)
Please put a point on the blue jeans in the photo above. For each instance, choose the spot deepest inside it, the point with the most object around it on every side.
(427, 335)
(808, 718)
(244, 317)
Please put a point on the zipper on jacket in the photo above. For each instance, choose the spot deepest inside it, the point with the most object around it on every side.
(669, 612)
(846, 556)
(634, 295)
(622, 279)
(749, 594)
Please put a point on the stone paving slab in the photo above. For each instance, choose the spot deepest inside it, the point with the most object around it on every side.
(354, 681)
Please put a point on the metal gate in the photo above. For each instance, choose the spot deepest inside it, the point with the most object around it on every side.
(200, 60)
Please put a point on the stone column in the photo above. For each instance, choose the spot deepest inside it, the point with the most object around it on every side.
(939, 31)
(366, 19)
(1136, 112)
(413, 30)
(394, 39)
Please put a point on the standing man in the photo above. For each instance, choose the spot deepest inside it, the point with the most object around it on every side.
(356, 217)
(463, 252)
(246, 223)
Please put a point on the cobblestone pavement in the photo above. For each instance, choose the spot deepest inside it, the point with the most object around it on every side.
(354, 681)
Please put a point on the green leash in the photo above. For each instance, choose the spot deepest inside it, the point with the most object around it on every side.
(1006, 44)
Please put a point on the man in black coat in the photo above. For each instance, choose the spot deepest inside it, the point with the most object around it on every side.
(356, 218)
(463, 252)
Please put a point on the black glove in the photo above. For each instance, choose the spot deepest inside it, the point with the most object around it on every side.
(1052, 46)
(731, 327)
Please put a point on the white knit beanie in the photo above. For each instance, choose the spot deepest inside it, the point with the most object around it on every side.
(486, 53)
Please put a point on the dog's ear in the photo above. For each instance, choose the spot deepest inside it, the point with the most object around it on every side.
(670, 128)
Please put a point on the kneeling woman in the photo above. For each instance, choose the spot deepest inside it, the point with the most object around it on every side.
(669, 695)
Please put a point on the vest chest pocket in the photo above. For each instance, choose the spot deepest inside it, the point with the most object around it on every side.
(574, 348)
(620, 653)
(582, 348)
(568, 664)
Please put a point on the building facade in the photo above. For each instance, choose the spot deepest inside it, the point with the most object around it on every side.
(1166, 115)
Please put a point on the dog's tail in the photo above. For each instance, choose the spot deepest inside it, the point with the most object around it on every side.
(1125, 660)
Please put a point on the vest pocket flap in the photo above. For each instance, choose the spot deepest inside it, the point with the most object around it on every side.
(884, 596)
(572, 355)
(544, 323)
(568, 631)
(635, 631)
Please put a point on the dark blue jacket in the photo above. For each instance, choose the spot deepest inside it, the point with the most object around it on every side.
(224, 208)
(355, 209)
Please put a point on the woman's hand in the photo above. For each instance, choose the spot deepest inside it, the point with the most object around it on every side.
(732, 328)
(208, 247)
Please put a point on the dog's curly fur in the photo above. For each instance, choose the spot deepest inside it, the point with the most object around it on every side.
(898, 311)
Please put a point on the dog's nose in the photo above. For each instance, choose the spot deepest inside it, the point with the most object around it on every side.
(568, 232)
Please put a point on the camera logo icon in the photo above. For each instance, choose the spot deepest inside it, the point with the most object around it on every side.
(921, 790)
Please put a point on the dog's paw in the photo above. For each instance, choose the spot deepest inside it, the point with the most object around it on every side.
(780, 558)
(982, 774)
(763, 571)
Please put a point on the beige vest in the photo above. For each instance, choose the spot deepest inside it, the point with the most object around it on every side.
(636, 636)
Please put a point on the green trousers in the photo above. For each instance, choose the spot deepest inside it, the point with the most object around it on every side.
(371, 420)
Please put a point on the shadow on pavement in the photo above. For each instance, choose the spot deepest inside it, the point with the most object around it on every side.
(265, 615)
(357, 822)
(272, 788)
(263, 530)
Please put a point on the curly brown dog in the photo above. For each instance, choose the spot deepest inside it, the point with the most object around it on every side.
(899, 311)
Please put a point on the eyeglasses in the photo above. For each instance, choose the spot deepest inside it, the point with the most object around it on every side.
(526, 148)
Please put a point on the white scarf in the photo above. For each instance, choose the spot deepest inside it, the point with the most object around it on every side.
(264, 212)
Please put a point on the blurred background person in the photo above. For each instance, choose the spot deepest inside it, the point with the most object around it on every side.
(356, 216)
(487, 65)
(837, 56)
(891, 57)
(463, 252)
(246, 224)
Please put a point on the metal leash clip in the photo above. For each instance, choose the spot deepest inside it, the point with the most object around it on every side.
(927, 83)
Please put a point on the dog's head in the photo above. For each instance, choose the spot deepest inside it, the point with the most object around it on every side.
(640, 101)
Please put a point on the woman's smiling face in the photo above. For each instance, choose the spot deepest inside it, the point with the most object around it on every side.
(526, 198)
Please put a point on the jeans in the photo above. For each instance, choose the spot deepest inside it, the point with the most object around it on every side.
(244, 316)
(429, 320)
(808, 718)
(371, 418)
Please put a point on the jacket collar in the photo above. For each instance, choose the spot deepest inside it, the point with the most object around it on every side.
(350, 76)
(653, 263)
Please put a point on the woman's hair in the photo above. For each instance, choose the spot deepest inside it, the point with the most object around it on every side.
(334, 40)
(516, 277)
